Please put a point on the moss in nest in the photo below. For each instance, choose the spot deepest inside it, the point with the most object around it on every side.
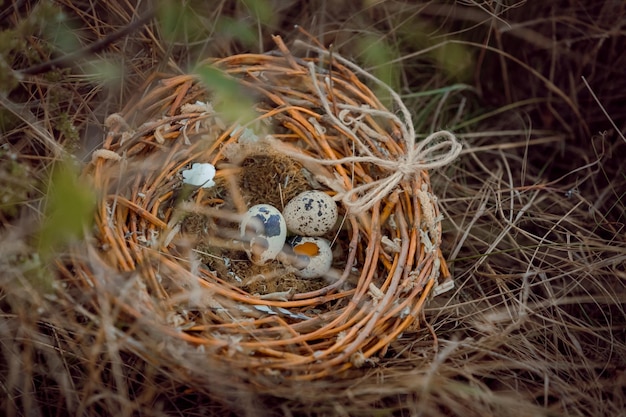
(216, 195)
(234, 267)
(220, 261)
(195, 224)
(215, 246)
(271, 178)
(213, 238)
(274, 278)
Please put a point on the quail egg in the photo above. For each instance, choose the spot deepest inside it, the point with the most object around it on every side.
(263, 231)
(311, 213)
(311, 257)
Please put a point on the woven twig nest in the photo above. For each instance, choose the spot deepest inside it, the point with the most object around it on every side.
(318, 126)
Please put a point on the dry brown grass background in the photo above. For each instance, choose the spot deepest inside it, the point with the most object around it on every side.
(534, 207)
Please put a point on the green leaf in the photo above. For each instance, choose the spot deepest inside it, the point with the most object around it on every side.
(230, 99)
(70, 204)
(261, 10)
(238, 30)
(181, 22)
(62, 34)
(456, 61)
(378, 56)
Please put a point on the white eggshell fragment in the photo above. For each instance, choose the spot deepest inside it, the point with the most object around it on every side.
(200, 175)
(263, 231)
(311, 213)
(311, 257)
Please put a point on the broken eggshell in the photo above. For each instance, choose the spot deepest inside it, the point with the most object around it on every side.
(200, 174)
(311, 257)
(263, 231)
(311, 213)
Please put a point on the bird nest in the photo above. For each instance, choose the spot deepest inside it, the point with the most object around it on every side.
(173, 251)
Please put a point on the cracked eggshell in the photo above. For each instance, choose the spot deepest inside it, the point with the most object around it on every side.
(311, 257)
(200, 175)
(311, 213)
(263, 231)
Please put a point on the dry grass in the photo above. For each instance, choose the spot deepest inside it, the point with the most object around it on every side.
(534, 210)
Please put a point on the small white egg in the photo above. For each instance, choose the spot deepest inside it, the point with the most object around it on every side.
(311, 257)
(263, 231)
(311, 213)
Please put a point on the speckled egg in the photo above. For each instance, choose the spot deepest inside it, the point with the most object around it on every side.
(311, 257)
(263, 231)
(311, 213)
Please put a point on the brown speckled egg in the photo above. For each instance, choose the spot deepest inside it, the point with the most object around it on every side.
(311, 213)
